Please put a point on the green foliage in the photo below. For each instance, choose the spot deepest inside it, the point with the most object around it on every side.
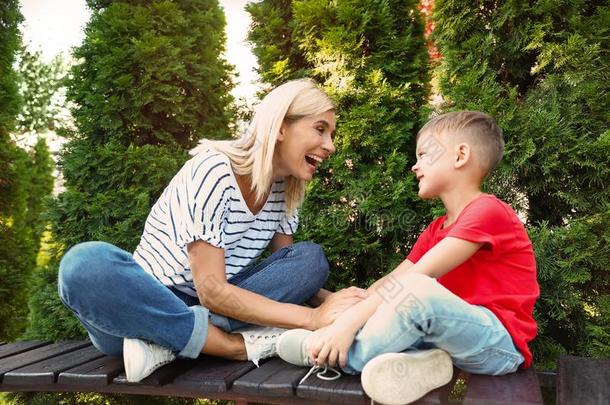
(10, 102)
(149, 83)
(271, 33)
(25, 180)
(110, 189)
(151, 73)
(10, 40)
(68, 398)
(362, 204)
(17, 256)
(39, 85)
(541, 68)
(21, 226)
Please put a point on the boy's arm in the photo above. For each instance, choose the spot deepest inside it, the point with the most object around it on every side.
(446, 255)
(406, 264)
(442, 258)
(334, 342)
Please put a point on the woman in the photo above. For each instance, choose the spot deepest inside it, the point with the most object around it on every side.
(193, 278)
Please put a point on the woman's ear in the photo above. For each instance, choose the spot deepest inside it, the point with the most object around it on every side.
(462, 155)
(281, 136)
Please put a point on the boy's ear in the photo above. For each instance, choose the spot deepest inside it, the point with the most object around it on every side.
(462, 155)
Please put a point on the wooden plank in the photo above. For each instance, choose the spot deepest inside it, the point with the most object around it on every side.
(212, 374)
(275, 378)
(441, 394)
(162, 390)
(19, 347)
(345, 390)
(520, 388)
(39, 354)
(583, 381)
(161, 376)
(46, 371)
(547, 378)
(98, 372)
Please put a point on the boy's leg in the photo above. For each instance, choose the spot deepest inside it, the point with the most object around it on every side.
(114, 298)
(422, 313)
(292, 275)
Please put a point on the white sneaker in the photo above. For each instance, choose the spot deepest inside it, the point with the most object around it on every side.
(142, 358)
(261, 342)
(401, 378)
(291, 348)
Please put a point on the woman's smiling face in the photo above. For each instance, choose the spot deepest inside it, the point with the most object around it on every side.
(303, 145)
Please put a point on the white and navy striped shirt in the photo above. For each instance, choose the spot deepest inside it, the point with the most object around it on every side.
(203, 202)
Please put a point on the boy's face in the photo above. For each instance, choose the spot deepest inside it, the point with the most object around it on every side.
(434, 168)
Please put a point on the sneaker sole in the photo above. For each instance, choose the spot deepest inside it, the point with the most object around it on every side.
(401, 378)
(128, 345)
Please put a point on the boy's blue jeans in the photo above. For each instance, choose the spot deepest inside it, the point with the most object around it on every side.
(114, 297)
(419, 313)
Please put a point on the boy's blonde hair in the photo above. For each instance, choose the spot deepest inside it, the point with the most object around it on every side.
(478, 127)
(252, 153)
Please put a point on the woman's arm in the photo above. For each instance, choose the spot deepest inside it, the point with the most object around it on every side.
(318, 299)
(279, 241)
(216, 294)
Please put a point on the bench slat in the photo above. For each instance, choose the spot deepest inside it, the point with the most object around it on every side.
(212, 374)
(11, 349)
(583, 381)
(39, 354)
(163, 375)
(46, 371)
(441, 394)
(346, 389)
(520, 388)
(98, 372)
(275, 378)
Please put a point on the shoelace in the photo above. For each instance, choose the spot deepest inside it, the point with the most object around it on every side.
(321, 375)
(254, 338)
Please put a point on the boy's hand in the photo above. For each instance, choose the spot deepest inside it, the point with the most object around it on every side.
(335, 304)
(330, 344)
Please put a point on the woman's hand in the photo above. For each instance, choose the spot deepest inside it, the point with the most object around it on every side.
(330, 345)
(334, 305)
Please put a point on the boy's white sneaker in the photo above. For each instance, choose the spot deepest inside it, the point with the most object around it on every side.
(292, 349)
(261, 342)
(142, 358)
(401, 378)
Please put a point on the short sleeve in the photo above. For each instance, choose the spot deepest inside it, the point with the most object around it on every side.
(422, 245)
(482, 222)
(289, 224)
(197, 208)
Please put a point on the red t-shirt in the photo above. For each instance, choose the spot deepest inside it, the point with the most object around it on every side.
(501, 275)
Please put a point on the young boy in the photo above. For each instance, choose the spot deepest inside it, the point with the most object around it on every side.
(464, 295)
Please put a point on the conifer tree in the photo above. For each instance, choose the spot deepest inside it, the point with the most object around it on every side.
(541, 68)
(362, 205)
(16, 244)
(150, 84)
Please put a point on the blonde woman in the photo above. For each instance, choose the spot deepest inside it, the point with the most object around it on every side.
(194, 277)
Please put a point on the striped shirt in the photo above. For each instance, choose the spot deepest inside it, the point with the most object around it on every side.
(204, 202)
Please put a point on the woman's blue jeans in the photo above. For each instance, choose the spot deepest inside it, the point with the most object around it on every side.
(419, 313)
(114, 297)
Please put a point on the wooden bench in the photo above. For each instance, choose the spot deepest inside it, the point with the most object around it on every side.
(77, 366)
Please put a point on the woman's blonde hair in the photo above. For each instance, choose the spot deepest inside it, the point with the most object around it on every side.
(252, 153)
